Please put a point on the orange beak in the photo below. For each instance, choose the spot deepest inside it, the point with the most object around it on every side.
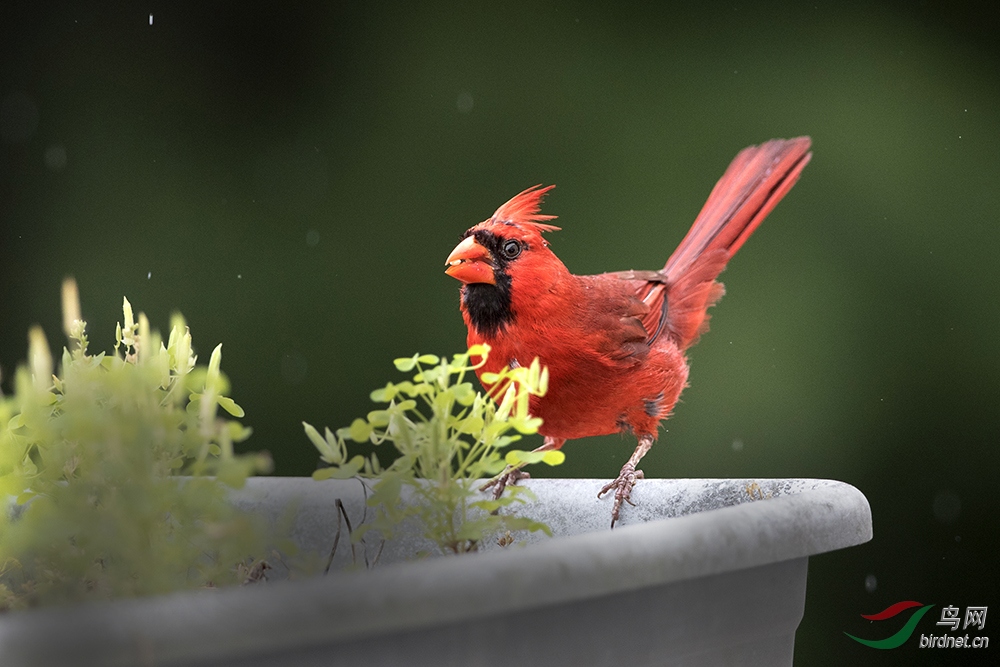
(470, 263)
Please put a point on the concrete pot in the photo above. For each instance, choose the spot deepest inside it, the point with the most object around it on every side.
(700, 572)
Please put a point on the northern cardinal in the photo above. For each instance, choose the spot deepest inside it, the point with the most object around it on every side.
(614, 343)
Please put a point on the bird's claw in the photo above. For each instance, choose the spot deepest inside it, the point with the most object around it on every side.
(623, 489)
(511, 475)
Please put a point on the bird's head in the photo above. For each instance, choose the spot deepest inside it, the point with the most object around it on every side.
(511, 235)
(502, 255)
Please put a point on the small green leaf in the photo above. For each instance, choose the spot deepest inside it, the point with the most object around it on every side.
(516, 457)
(127, 311)
(488, 505)
(479, 350)
(506, 440)
(238, 432)
(553, 457)
(534, 370)
(526, 425)
(428, 359)
(360, 430)
(386, 492)
(323, 473)
(443, 401)
(516, 491)
(232, 473)
(405, 364)
(470, 425)
(212, 378)
(493, 467)
(383, 395)
(429, 375)
(317, 440)
(464, 393)
(378, 418)
(345, 471)
(230, 406)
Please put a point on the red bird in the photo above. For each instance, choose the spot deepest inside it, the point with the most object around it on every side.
(614, 343)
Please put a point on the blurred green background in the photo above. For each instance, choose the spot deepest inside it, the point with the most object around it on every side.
(291, 176)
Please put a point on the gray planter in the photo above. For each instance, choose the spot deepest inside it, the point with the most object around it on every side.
(701, 572)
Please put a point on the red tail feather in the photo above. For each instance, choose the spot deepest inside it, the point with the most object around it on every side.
(752, 186)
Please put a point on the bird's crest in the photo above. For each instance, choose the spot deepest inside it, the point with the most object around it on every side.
(523, 210)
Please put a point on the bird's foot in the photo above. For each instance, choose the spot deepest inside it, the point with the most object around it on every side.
(509, 476)
(623, 488)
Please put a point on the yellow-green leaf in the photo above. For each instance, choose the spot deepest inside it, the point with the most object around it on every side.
(554, 457)
(470, 425)
(479, 350)
(360, 430)
(405, 364)
(230, 406)
(378, 417)
(318, 441)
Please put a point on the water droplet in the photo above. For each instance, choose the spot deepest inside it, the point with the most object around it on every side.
(871, 583)
(737, 445)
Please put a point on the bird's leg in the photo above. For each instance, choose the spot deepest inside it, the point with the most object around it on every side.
(627, 478)
(512, 474)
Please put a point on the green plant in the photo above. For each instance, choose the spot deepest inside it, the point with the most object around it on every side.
(448, 437)
(98, 448)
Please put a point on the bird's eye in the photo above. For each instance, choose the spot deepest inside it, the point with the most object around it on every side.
(511, 249)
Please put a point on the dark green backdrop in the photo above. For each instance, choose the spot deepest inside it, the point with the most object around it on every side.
(291, 177)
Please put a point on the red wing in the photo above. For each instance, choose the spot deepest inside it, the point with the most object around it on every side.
(649, 288)
(615, 319)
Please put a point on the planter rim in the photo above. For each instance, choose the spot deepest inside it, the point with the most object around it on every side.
(813, 517)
